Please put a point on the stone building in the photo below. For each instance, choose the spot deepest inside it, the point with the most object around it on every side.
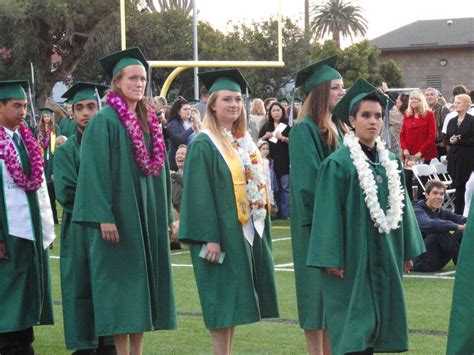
(437, 53)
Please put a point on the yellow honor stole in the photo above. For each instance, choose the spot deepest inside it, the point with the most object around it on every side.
(238, 179)
(52, 142)
(240, 185)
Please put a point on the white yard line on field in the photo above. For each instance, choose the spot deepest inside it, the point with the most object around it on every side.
(280, 239)
(180, 253)
(446, 273)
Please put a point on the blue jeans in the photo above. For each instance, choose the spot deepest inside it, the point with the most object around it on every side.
(284, 195)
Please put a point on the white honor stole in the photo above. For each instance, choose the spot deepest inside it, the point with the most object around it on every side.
(252, 223)
(18, 210)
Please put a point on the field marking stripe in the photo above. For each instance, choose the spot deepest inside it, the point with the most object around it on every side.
(280, 239)
(446, 273)
(283, 265)
(180, 253)
(280, 227)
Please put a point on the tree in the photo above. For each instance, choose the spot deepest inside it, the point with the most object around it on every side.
(338, 18)
(392, 74)
(34, 30)
(183, 5)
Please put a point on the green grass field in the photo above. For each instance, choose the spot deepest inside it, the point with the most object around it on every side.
(428, 298)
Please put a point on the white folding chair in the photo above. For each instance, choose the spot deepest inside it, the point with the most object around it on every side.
(445, 178)
(434, 161)
(424, 170)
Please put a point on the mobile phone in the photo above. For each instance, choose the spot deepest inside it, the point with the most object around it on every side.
(202, 254)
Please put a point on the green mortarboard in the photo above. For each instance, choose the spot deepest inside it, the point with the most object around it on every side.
(225, 79)
(45, 111)
(115, 62)
(317, 73)
(361, 89)
(193, 101)
(297, 100)
(283, 100)
(81, 91)
(13, 89)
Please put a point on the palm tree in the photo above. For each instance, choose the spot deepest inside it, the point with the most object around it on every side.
(338, 18)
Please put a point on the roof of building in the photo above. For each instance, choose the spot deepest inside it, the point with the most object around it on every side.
(456, 32)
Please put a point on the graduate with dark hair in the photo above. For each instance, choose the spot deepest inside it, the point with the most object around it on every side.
(78, 312)
(366, 233)
(26, 227)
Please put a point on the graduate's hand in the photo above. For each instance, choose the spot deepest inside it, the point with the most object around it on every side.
(332, 271)
(109, 232)
(213, 252)
(267, 135)
(408, 266)
(3, 251)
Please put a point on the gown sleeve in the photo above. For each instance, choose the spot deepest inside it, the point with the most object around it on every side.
(326, 246)
(199, 221)
(94, 189)
(306, 159)
(65, 178)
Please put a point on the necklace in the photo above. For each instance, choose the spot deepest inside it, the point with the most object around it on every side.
(12, 160)
(44, 137)
(383, 222)
(253, 170)
(149, 164)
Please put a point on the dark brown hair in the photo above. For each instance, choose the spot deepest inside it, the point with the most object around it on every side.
(430, 185)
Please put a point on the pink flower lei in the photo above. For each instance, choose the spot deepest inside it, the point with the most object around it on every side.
(149, 165)
(44, 137)
(12, 160)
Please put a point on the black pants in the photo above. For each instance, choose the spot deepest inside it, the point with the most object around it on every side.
(17, 343)
(52, 199)
(440, 249)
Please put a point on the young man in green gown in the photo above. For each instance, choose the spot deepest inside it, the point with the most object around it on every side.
(26, 229)
(366, 234)
(78, 313)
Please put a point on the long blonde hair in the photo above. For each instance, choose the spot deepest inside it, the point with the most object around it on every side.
(42, 125)
(212, 124)
(142, 105)
(422, 107)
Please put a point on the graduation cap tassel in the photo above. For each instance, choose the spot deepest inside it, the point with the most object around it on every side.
(292, 107)
(247, 104)
(387, 123)
(99, 101)
(33, 122)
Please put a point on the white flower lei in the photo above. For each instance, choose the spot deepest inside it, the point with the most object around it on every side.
(384, 223)
(254, 173)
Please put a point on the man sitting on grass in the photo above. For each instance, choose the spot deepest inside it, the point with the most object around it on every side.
(441, 230)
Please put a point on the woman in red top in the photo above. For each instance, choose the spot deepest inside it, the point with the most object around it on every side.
(418, 134)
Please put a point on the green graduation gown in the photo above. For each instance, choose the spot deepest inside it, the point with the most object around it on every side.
(461, 323)
(307, 151)
(78, 312)
(132, 288)
(25, 283)
(68, 126)
(366, 308)
(242, 289)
